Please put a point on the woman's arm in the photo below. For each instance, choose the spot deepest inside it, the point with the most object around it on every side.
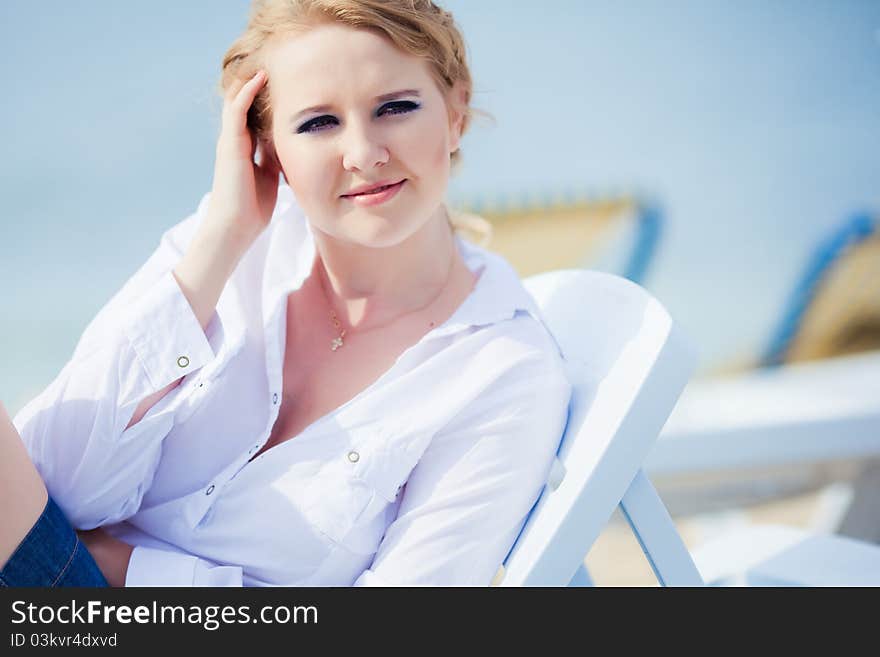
(91, 434)
(126, 565)
(80, 430)
(239, 207)
(201, 274)
(111, 554)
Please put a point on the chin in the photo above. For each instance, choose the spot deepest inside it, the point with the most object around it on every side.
(379, 232)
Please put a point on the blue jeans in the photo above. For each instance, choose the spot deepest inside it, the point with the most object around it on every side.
(51, 555)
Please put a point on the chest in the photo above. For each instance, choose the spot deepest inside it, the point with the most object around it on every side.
(317, 381)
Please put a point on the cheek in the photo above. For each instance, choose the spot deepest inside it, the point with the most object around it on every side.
(439, 145)
(432, 147)
(423, 144)
(440, 153)
(305, 173)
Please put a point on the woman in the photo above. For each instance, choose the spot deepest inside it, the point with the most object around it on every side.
(319, 382)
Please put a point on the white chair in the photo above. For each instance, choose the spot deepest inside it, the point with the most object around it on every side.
(628, 363)
(824, 410)
(807, 412)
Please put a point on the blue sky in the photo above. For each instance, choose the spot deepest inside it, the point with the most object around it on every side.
(754, 124)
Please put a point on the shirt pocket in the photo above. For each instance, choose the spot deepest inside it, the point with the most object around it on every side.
(348, 497)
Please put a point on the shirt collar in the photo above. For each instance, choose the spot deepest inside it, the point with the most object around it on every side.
(497, 296)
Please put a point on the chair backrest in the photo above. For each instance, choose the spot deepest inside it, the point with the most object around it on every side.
(628, 363)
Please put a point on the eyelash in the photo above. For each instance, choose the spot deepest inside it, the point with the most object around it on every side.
(403, 107)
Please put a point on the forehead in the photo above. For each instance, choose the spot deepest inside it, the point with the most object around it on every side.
(330, 58)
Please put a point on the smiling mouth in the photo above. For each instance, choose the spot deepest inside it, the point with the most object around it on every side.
(378, 190)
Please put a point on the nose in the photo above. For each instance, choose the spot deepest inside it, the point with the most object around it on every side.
(363, 148)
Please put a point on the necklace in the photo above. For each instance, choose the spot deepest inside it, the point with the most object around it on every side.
(337, 342)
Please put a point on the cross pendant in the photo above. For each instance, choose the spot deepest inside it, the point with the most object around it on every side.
(335, 343)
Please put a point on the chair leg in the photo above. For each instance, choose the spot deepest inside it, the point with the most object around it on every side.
(657, 535)
(581, 577)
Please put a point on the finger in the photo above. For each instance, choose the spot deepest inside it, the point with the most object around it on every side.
(239, 81)
(233, 89)
(236, 111)
(249, 91)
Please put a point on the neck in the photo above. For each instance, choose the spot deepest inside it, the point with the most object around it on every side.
(369, 286)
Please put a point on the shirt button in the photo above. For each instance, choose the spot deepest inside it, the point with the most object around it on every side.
(210, 489)
(183, 361)
(275, 398)
(353, 456)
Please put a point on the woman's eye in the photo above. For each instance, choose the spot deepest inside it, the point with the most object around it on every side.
(400, 107)
(309, 126)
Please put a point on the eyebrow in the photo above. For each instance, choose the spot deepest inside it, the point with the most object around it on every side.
(327, 108)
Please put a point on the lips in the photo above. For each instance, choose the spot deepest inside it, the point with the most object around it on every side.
(374, 189)
(377, 198)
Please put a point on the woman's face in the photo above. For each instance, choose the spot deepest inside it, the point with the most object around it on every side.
(356, 137)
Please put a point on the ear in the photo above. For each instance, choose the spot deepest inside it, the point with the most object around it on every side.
(267, 147)
(270, 149)
(458, 107)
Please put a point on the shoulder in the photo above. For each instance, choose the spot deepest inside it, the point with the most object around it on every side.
(507, 322)
(502, 310)
(527, 347)
(511, 359)
(512, 384)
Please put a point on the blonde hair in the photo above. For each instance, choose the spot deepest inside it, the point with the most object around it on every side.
(417, 27)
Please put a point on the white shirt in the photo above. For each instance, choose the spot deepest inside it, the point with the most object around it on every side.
(424, 478)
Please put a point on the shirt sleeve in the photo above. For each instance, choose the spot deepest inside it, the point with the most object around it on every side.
(471, 492)
(155, 567)
(143, 339)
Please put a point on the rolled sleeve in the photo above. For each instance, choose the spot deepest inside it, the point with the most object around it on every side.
(166, 334)
(154, 567)
(471, 492)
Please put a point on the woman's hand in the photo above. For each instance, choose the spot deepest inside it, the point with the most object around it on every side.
(111, 554)
(244, 193)
(240, 207)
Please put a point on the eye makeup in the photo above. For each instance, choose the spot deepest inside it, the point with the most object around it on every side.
(393, 108)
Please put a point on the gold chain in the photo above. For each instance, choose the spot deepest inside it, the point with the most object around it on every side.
(337, 342)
